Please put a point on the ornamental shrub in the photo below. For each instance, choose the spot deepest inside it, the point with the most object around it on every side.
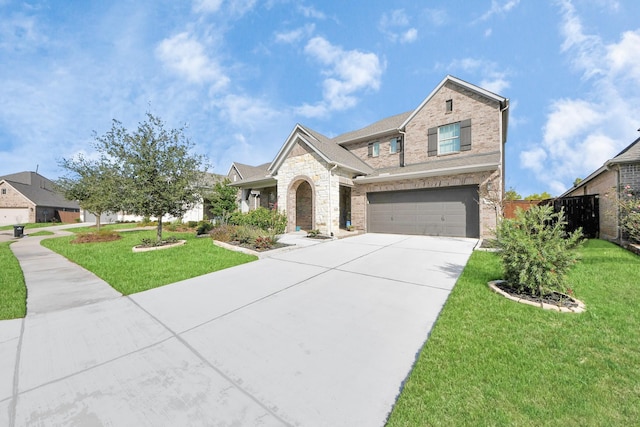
(536, 251)
(263, 218)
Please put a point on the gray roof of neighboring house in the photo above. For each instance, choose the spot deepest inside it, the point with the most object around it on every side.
(38, 189)
(630, 154)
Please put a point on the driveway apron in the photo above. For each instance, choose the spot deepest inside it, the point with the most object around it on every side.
(323, 335)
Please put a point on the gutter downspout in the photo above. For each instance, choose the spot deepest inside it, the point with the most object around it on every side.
(330, 218)
(404, 134)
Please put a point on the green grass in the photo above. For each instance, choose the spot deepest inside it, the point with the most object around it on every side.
(492, 362)
(13, 293)
(41, 233)
(130, 272)
(33, 225)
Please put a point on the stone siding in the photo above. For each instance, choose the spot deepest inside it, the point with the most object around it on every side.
(307, 165)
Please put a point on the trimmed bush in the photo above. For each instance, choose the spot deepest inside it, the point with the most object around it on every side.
(536, 251)
(265, 219)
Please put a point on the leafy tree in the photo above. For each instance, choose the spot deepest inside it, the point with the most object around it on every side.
(223, 199)
(158, 173)
(542, 196)
(577, 181)
(93, 183)
(512, 194)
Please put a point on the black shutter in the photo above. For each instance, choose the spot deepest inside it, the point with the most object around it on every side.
(370, 147)
(400, 145)
(465, 135)
(432, 148)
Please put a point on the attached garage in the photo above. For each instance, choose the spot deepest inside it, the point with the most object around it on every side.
(9, 216)
(452, 211)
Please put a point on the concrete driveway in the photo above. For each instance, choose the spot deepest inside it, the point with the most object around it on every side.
(318, 336)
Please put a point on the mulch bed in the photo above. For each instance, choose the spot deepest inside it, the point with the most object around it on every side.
(554, 298)
(253, 248)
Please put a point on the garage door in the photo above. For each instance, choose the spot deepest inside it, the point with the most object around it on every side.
(9, 216)
(435, 212)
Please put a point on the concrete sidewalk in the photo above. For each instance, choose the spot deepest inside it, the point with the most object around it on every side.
(319, 336)
(53, 282)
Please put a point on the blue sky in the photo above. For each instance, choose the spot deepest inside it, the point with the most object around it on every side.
(242, 73)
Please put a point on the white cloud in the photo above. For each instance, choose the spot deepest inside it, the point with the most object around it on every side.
(437, 17)
(295, 35)
(580, 134)
(493, 77)
(207, 6)
(534, 159)
(311, 12)
(186, 56)
(394, 26)
(624, 57)
(499, 8)
(347, 72)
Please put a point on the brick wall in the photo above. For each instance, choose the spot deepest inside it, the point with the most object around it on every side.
(15, 200)
(604, 185)
(485, 123)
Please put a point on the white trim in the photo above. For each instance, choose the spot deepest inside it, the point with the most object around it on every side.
(428, 173)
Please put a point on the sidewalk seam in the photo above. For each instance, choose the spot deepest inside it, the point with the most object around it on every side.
(211, 365)
(16, 378)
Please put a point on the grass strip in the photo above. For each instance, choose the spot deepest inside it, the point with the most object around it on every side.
(130, 272)
(490, 361)
(13, 293)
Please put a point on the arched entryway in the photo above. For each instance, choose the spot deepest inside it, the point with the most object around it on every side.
(301, 205)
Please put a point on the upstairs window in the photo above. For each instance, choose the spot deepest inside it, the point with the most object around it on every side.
(4, 191)
(394, 146)
(449, 105)
(449, 138)
(374, 149)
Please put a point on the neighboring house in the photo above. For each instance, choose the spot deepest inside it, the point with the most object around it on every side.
(30, 197)
(436, 170)
(606, 183)
(199, 212)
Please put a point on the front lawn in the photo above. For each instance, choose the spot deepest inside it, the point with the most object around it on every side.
(32, 225)
(490, 361)
(130, 272)
(13, 294)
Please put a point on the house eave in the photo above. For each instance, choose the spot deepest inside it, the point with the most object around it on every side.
(427, 173)
(371, 136)
(262, 182)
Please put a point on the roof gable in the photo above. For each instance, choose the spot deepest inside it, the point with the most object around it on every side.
(504, 102)
(328, 150)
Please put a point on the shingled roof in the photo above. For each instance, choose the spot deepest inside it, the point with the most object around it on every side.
(38, 189)
(387, 125)
(628, 155)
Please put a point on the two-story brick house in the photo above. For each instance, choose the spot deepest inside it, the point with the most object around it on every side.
(435, 170)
